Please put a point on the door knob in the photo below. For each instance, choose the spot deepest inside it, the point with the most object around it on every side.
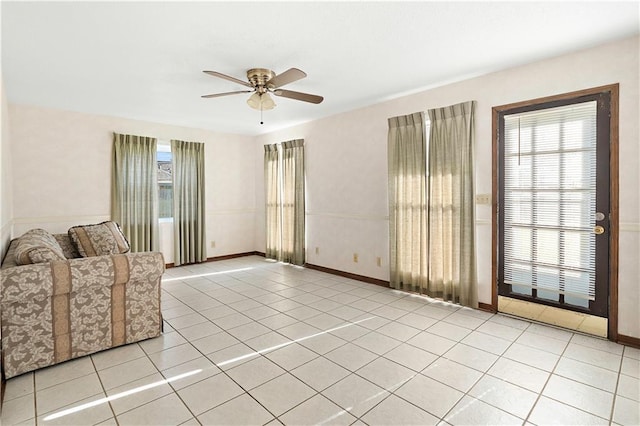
(598, 230)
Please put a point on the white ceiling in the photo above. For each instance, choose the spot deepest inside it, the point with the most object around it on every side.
(144, 60)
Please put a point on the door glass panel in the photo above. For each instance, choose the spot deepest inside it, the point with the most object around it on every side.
(548, 193)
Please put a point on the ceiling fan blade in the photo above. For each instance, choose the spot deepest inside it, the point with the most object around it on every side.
(289, 76)
(299, 96)
(227, 77)
(217, 95)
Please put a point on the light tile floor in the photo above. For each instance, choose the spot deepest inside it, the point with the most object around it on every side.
(248, 341)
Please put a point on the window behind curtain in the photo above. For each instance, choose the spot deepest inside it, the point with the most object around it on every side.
(165, 185)
(285, 201)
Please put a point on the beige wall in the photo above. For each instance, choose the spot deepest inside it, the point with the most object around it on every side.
(346, 163)
(6, 177)
(62, 174)
(6, 199)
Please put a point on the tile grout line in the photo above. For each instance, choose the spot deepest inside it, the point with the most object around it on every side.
(35, 399)
(392, 392)
(204, 356)
(103, 389)
(567, 378)
(484, 374)
(546, 382)
(221, 371)
(155, 399)
(615, 393)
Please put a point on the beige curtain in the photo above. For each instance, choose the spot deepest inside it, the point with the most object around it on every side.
(273, 223)
(134, 190)
(407, 202)
(293, 216)
(189, 234)
(451, 215)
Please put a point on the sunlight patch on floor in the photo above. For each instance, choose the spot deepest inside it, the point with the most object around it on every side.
(577, 321)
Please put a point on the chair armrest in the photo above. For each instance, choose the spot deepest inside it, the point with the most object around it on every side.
(59, 277)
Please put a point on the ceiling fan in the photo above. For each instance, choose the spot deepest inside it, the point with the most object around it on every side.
(262, 82)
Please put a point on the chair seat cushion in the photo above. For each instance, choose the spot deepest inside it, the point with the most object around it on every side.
(99, 240)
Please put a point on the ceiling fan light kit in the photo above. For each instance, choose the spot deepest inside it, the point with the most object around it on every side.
(261, 101)
(263, 82)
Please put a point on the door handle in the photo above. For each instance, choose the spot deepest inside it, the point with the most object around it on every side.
(598, 230)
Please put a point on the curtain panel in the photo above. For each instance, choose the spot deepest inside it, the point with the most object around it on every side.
(407, 202)
(451, 211)
(189, 219)
(272, 201)
(134, 190)
(293, 204)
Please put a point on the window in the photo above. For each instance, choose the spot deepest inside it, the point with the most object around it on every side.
(165, 182)
(285, 211)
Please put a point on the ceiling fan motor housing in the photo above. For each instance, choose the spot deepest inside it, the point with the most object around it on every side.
(258, 77)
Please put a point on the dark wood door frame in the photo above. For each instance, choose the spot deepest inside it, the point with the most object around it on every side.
(613, 90)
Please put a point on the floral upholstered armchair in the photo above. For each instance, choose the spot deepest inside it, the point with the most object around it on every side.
(66, 296)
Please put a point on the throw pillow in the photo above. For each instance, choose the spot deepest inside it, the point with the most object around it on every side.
(99, 239)
(37, 246)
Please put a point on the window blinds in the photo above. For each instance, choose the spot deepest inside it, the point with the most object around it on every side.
(549, 202)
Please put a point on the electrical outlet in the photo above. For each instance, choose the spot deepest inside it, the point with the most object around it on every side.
(355, 257)
(483, 198)
(213, 244)
(317, 250)
(379, 261)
